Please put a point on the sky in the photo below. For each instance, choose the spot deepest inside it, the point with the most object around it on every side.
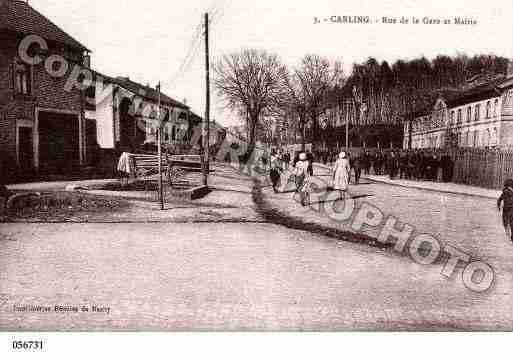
(148, 41)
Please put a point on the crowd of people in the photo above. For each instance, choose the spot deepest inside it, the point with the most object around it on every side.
(397, 164)
(300, 169)
(403, 164)
(400, 164)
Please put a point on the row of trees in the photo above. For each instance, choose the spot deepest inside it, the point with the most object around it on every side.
(257, 85)
(391, 91)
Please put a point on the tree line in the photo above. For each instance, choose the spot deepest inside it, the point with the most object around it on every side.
(268, 95)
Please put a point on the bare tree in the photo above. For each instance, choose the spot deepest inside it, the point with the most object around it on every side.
(250, 81)
(295, 105)
(311, 84)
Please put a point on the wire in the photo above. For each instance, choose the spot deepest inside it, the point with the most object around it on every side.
(191, 53)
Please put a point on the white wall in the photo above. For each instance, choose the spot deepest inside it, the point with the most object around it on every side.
(105, 122)
(434, 138)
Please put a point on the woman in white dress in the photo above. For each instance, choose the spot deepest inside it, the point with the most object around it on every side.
(302, 176)
(341, 174)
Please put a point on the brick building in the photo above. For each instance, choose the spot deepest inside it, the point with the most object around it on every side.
(41, 123)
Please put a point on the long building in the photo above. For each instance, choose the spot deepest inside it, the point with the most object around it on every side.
(479, 116)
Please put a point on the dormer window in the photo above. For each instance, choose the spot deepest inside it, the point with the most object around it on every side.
(22, 78)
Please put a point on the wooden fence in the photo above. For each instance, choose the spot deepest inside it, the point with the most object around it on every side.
(482, 167)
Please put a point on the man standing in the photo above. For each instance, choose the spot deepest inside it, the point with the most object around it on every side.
(507, 211)
(356, 164)
(392, 165)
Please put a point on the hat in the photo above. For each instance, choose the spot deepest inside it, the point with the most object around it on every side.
(342, 155)
(303, 157)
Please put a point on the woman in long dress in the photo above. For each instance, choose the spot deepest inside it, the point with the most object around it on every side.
(302, 177)
(341, 174)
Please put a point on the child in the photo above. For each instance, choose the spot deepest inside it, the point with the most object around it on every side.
(507, 212)
(276, 171)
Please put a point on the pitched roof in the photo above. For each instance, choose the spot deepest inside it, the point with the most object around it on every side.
(454, 98)
(147, 92)
(20, 17)
(476, 93)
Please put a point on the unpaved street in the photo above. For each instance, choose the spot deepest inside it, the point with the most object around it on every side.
(215, 275)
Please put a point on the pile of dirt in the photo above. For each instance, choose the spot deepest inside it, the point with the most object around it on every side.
(60, 206)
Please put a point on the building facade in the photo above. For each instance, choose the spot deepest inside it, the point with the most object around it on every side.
(41, 121)
(479, 117)
(125, 115)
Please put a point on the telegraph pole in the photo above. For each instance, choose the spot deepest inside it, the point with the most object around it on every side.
(206, 122)
(348, 104)
(159, 145)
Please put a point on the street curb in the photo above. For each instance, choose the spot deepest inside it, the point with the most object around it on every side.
(418, 187)
(429, 189)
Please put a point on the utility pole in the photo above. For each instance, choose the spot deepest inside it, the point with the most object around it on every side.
(159, 145)
(348, 104)
(206, 122)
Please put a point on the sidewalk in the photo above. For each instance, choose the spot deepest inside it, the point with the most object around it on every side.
(451, 188)
(230, 201)
(58, 185)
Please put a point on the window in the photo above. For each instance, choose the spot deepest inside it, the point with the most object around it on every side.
(451, 118)
(460, 118)
(22, 78)
(476, 134)
(495, 108)
(488, 109)
(469, 114)
(487, 138)
(466, 140)
(477, 112)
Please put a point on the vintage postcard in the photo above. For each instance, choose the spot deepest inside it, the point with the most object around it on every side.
(227, 165)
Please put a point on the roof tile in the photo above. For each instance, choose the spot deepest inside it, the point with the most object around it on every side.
(19, 16)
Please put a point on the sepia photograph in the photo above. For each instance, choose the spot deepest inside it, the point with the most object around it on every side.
(241, 166)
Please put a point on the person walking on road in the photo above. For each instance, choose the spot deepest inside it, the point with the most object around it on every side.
(302, 177)
(507, 209)
(341, 174)
(276, 171)
(356, 165)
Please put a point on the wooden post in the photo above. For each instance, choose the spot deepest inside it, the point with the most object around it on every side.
(206, 122)
(159, 146)
(347, 125)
